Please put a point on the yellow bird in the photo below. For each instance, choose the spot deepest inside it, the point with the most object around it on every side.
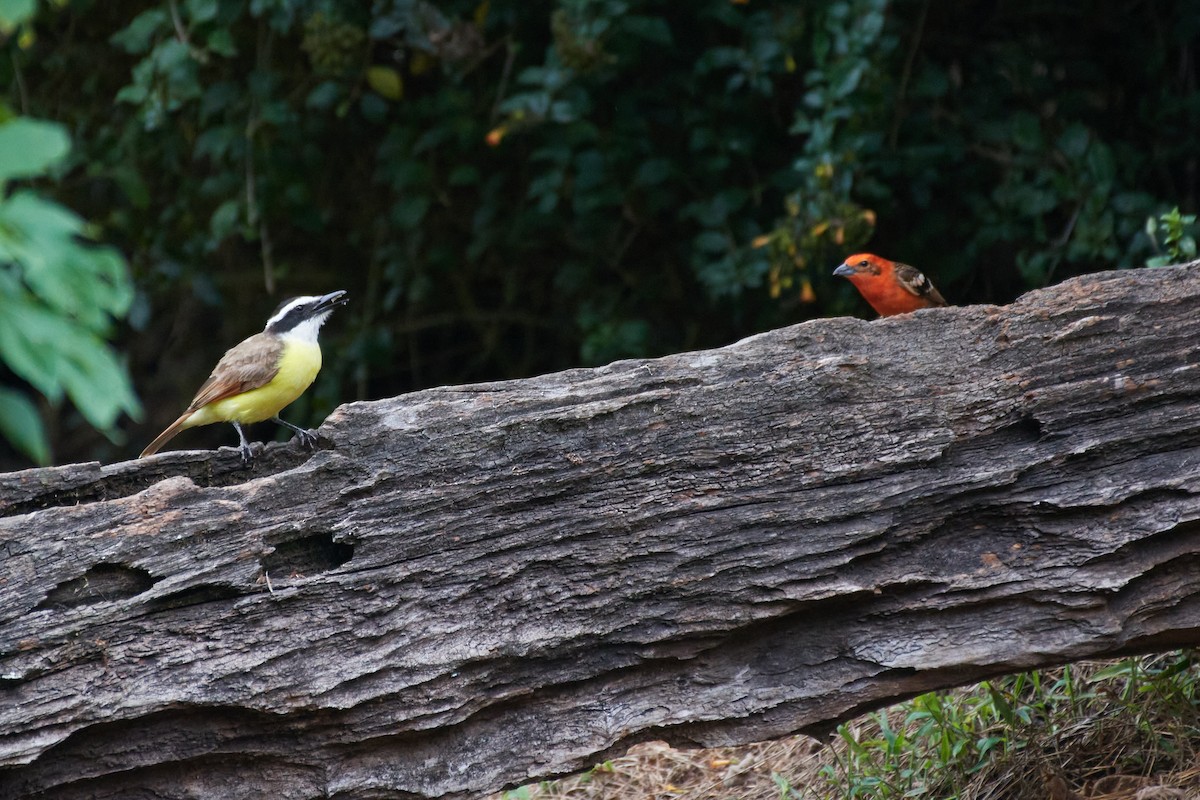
(257, 378)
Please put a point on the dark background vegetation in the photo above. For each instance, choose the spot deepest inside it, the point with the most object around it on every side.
(510, 188)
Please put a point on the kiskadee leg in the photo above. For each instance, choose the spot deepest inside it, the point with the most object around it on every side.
(307, 438)
(244, 447)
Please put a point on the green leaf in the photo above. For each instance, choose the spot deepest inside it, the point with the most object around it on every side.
(652, 172)
(407, 214)
(1100, 163)
(129, 179)
(59, 296)
(218, 142)
(22, 426)
(1121, 669)
(29, 147)
(137, 36)
(712, 242)
(463, 175)
(14, 12)
(386, 81)
(86, 283)
(55, 355)
(220, 41)
(590, 170)
(225, 219)
(95, 381)
(28, 344)
(324, 95)
(174, 60)
(202, 10)
(385, 26)
(845, 78)
(373, 107)
(1026, 131)
(652, 29)
(1074, 141)
(134, 94)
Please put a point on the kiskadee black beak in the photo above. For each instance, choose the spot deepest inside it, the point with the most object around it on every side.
(332, 299)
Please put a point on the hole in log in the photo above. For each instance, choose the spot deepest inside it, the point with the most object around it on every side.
(196, 595)
(100, 584)
(1029, 427)
(307, 556)
(1014, 435)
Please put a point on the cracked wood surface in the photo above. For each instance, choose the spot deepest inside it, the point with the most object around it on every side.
(473, 587)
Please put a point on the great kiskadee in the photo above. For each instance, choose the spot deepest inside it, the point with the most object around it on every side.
(254, 380)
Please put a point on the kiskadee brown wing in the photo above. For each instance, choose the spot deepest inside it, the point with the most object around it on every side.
(248, 365)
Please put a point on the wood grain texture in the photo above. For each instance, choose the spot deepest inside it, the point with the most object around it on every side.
(473, 587)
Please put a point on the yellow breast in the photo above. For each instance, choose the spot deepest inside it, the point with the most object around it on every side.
(298, 366)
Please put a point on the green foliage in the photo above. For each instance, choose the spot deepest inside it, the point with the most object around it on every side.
(334, 47)
(525, 792)
(937, 744)
(509, 188)
(1178, 244)
(60, 296)
(14, 12)
(786, 790)
(29, 148)
(824, 222)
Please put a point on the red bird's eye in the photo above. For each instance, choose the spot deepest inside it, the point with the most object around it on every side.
(863, 263)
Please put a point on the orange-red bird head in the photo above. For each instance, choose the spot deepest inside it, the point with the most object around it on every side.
(890, 287)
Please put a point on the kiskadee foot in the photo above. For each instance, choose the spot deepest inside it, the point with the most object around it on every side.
(244, 446)
(308, 439)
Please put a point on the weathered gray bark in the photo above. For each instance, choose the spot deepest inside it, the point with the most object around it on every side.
(477, 586)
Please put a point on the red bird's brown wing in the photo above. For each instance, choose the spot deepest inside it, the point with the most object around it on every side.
(245, 366)
(913, 280)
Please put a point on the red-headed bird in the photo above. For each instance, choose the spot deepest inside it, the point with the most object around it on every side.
(890, 287)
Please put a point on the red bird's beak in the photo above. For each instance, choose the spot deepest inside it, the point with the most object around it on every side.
(845, 271)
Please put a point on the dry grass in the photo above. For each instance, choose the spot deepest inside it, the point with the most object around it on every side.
(657, 771)
(1088, 732)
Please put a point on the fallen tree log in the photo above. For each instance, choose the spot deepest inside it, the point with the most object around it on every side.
(473, 587)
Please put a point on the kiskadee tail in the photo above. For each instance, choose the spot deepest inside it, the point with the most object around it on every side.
(166, 436)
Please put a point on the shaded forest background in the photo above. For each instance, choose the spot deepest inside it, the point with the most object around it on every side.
(510, 188)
